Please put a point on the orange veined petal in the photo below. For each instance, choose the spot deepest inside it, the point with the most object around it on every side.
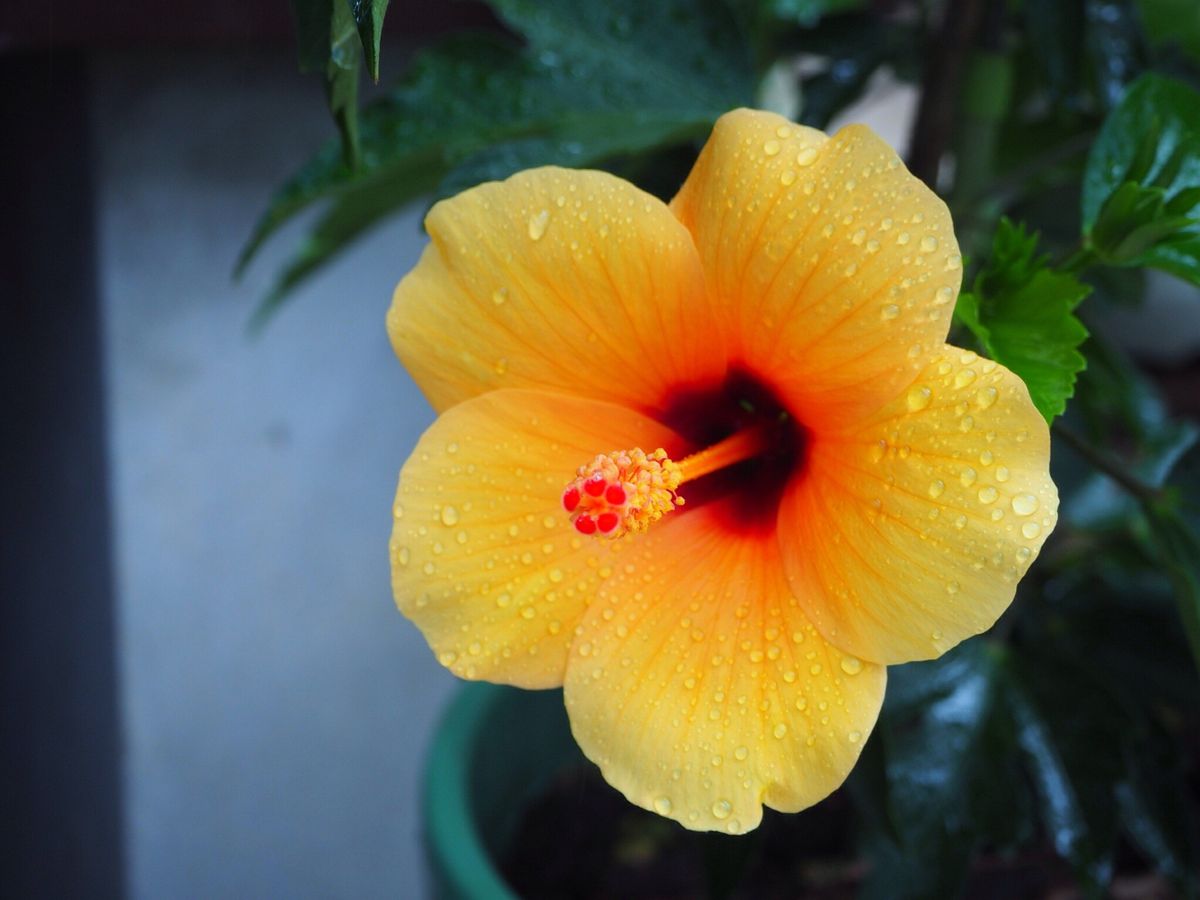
(908, 532)
(573, 281)
(484, 560)
(700, 688)
(834, 267)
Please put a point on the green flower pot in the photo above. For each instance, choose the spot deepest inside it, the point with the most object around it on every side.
(494, 750)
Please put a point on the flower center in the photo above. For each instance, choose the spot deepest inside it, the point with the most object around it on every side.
(626, 491)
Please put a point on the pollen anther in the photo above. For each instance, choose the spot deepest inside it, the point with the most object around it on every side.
(623, 491)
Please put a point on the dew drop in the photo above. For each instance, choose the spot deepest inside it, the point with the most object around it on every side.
(501, 366)
(1002, 474)
(936, 488)
(903, 238)
(1025, 505)
(499, 296)
(771, 148)
(662, 806)
(429, 568)
(1031, 530)
(952, 587)
(851, 665)
(986, 397)
(854, 737)
(721, 809)
(538, 223)
(967, 476)
(806, 157)
(964, 378)
(986, 458)
(528, 612)
(780, 730)
(943, 296)
(929, 243)
(987, 494)
(787, 177)
(740, 753)
(449, 516)
(918, 398)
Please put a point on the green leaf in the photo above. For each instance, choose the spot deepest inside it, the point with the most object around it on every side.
(1156, 814)
(1111, 639)
(945, 765)
(368, 16)
(595, 82)
(1068, 729)
(1141, 188)
(1022, 313)
(327, 43)
(1175, 532)
(341, 80)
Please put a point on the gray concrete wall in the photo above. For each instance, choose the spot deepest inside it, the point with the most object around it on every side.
(276, 707)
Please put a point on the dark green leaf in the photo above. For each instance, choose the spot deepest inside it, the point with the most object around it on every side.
(1116, 48)
(1140, 200)
(1156, 812)
(596, 81)
(368, 15)
(1022, 313)
(808, 12)
(1070, 730)
(945, 768)
(1173, 22)
(326, 40)
(341, 80)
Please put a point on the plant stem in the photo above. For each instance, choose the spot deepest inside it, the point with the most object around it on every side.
(1106, 464)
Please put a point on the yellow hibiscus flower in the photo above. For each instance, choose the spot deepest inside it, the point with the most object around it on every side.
(709, 466)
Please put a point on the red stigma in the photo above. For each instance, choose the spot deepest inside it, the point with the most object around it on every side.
(595, 485)
(570, 499)
(615, 495)
(607, 521)
(586, 525)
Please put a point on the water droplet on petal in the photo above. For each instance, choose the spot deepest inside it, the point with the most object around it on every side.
(987, 494)
(854, 737)
(1025, 504)
(787, 177)
(918, 398)
(662, 806)
(499, 296)
(936, 488)
(1031, 530)
(929, 243)
(964, 378)
(538, 223)
(889, 312)
(806, 157)
(780, 730)
(449, 516)
(851, 665)
(770, 148)
(721, 809)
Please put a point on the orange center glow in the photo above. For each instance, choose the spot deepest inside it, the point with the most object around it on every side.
(626, 491)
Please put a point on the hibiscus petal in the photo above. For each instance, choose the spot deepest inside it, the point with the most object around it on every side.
(701, 690)
(909, 532)
(835, 268)
(569, 280)
(484, 560)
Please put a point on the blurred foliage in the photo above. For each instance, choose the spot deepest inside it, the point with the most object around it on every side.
(1072, 165)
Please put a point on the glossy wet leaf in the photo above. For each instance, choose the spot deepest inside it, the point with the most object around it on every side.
(944, 763)
(594, 82)
(1141, 188)
(368, 16)
(1022, 312)
(1068, 730)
